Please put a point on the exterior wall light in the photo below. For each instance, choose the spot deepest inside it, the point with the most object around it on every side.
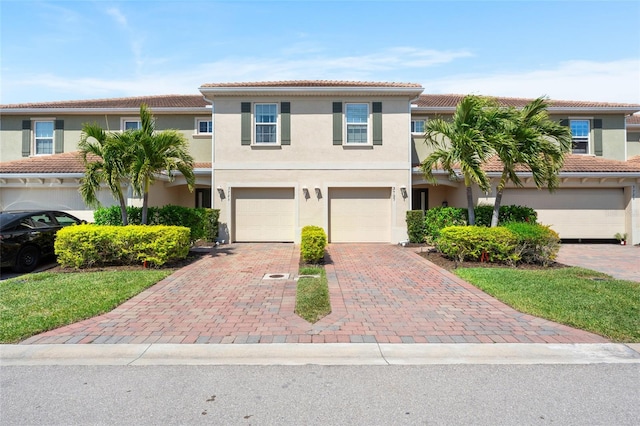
(318, 192)
(221, 192)
(403, 192)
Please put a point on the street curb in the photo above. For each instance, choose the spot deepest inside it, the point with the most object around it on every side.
(318, 354)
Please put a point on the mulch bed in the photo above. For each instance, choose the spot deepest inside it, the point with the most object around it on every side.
(439, 259)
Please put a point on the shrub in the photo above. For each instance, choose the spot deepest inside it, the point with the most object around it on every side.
(535, 243)
(89, 245)
(440, 217)
(416, 226)
(202, 222)
(473, 242)
(507, 214)
(313, 243)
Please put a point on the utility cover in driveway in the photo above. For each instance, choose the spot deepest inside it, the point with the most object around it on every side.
(360, 215)
(263, 214)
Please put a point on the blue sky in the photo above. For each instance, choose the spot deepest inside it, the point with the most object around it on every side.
(574, 50)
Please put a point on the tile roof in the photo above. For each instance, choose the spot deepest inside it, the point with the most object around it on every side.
(634, 160)
(314, 83)
(575, 163)
(68, 162)
(161, 101)
(633, 119)
(450, 101)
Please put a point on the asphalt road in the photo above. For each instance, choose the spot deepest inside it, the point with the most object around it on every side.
(594, 394)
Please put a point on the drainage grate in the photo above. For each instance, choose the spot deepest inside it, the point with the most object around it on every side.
(275, 277)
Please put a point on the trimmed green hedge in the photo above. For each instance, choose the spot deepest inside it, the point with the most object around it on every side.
(312, 244)
(84, 246)
(512, 243)
(474, 242)
(202, 222)
(507, 214)
(536, 243)
(416, 226)
(426, 227)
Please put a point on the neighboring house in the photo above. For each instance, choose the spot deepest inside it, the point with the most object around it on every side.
(276, 156)
(39, 141)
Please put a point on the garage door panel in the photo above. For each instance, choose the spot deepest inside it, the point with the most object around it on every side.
(576, 212)
(359, 214)
(264, 214)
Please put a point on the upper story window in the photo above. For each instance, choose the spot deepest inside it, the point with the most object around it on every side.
(43, 137)
(357, 120)
(204, 126)
(266, 123)
(130, 124)
(417, 126)
(580, 136)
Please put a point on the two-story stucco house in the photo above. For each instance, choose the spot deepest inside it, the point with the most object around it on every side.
(276, 156)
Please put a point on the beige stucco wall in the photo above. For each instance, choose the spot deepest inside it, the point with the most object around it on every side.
(633, 143)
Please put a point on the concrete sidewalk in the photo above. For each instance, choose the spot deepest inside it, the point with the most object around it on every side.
(325, 354)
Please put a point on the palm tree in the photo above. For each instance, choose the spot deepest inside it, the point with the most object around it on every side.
(463, 143)
(531, 139)
(105, 160)
(157, 152)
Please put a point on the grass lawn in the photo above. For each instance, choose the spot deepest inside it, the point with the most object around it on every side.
(312, 295)
(573, 296)
(34, 303)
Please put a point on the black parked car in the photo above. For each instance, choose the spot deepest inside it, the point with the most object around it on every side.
(28, 236)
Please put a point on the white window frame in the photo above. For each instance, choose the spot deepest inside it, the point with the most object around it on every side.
(256, 124)
(413, 123)
(35, 135)
(367, 125)
(199, 120)
(581, 139)
(125, 120)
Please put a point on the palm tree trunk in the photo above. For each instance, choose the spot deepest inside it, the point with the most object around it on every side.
(471, 213)
(123, 209)
(496, 208)
(145, 202)
(498, 201)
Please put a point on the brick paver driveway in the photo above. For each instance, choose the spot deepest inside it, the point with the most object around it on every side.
(622, 262)
(379, 293)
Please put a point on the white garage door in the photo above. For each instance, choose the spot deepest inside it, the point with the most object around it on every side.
(359, 215)
(264, 214)
(575, 213)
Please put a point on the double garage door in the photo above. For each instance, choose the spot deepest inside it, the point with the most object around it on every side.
(269, 214)
(596, 213)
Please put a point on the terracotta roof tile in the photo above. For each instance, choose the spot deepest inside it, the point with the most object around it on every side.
(634, 160)
(575, 163)
(313, 83)
(633, 119)
(68, 162)
(161, 101)
(450, 101)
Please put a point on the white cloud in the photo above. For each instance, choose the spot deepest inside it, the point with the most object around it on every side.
(117, 15)
(613, 81)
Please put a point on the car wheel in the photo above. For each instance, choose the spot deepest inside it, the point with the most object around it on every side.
(27, 259)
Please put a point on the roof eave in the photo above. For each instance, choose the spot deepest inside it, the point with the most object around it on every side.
(311, 91)
(119, 111)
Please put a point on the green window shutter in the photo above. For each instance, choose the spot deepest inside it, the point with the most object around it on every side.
(337, 123)
(26, 138)
(377, 123)
(597, 137)
(245, 135)
(285, 119)
(59, 136)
